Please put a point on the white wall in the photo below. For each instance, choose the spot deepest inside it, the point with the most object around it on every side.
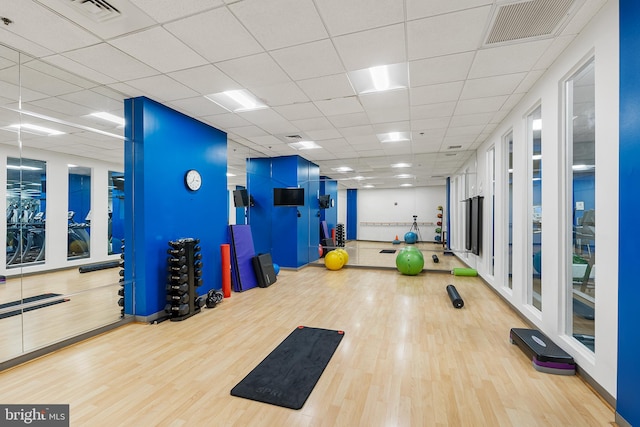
(385, 213)
(598, 40)
(58, 205)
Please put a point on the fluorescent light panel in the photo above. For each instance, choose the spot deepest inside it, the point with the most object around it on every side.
(236, 100)
(380, 78)
(401, 165)
(304, 145)
(24, 168)
(342, 169)
(394, 137)
(38, 130)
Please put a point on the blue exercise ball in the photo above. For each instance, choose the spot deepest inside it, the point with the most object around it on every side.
(410, 237)
(276, 268)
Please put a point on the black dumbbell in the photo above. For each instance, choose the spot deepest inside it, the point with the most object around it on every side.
(180, 289)
(178, 269)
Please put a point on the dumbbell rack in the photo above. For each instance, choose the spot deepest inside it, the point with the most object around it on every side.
(439, 228)
(185, 275)
(340, 235)
(121, 281)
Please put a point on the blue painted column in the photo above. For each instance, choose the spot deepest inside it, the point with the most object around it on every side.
(352, 214)
(628, 394)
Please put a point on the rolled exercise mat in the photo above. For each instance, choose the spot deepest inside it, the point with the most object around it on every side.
(454, 296)
(435, 258)
(459, 271)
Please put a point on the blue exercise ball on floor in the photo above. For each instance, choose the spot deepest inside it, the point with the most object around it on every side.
(410, 237)
(276, 268)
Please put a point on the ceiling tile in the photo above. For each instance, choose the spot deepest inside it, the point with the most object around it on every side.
(480, 105)
(347, 120)
(217, 35)
(342, 17)
(447, 34)
(318, 123)
(280, 94)
(198, 106)
(380, 46)
(170, 10)
(423, 8)
(280, 23)
(551, 54)
(364, 130)
(112, 62)
(382, 100)
(433, 94)
(336, 106)
(269, 120)
(427, 124)
(386, 115)
(471, 119)
(162, 88)
(323, 134)
(492, 86)
(80, 69)
(174, 54)
(507, 59)
(328, 87)
(254, 71)
(248, 131)
(442, 69)
(205, 80)
(430, 111)
(226, 120)
(309, 60)
(37, 24)
(298, 111)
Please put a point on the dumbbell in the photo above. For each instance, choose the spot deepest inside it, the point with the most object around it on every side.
(178, 269)
(180, 260)
(178, 299)
(174, 252)
(177, 310)
(175, 279)
(181, 288)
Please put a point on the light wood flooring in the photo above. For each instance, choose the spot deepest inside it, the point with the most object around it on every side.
(408, 358)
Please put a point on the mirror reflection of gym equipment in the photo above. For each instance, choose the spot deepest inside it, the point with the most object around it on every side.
(25, 211)
(79, 214)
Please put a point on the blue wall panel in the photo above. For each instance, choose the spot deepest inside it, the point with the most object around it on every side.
(629, 205)
(314, 211)
(352, 214)
(164, 145)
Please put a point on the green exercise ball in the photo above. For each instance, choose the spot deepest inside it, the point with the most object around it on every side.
(410, 262)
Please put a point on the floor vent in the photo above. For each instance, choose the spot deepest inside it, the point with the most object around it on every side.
(98, 10)
(533, 19)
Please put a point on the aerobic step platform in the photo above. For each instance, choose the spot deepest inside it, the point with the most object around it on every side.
(545, 355)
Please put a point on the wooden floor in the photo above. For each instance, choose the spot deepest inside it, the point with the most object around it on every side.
(408, 358)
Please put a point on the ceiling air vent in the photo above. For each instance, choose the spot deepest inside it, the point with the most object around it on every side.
(98, 10)
(534, 19)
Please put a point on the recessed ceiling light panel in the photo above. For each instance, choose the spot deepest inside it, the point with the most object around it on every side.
(236, 100)
(380, 78)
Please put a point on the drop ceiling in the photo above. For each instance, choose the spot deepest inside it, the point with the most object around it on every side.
(298, 57)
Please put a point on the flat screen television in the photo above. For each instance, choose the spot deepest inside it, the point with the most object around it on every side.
(288, 197)
(324, 201)
(240, 198)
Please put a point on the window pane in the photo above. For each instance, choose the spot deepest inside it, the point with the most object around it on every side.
(581, 143)
(509, 179)
(535, 142)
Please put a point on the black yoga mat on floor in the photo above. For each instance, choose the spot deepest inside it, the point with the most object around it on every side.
(28, 300)
(287, 376)
(388, 251)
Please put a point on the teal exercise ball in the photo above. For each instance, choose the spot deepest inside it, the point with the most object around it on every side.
(410, 237)
(410, 262)
(276, 268)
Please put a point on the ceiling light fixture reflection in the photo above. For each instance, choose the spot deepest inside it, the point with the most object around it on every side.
(109, 117)
(368, 186)
(403, 176)
(23, 167)
(236, 100)
(342, 169)
(36, 130)
(406, 185)
(401, 165)
(394, 137)
(230, 174)
(583, 167)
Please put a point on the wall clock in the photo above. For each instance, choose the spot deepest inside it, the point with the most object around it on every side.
(193, 180)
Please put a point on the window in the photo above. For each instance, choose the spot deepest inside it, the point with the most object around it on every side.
(534, 138)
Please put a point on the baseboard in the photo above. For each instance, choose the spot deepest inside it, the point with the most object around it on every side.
(621, 421)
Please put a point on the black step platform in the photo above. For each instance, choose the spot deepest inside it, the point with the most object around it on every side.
(545, 355)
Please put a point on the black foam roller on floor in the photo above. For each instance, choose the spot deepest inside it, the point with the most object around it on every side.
(454, 296)
(435, 258)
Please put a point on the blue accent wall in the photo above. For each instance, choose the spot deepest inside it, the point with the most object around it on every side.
(352, 214)
(291, 234)
(79, 196)
(160, 146)
(629, 205)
